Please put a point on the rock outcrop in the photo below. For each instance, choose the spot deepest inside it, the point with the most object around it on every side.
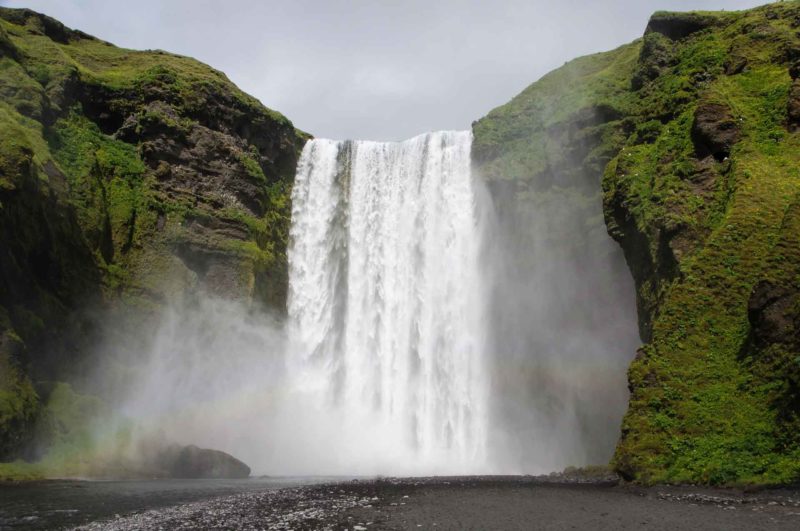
(793, 105)
(191, 462)
(709, 203)
(714, 131)
(772, 313)
(541, 155)
(128, 180)
(677, 26)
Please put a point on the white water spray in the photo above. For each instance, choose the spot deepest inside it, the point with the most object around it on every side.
(386, 301)
(431, 329)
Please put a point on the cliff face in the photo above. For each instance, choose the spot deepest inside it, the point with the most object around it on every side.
(127, 180)
(705, 206)
(692, 130)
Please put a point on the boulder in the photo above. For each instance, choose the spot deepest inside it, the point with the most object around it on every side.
(191, 462)
(714, 131)
(735, 64)
(656, 55)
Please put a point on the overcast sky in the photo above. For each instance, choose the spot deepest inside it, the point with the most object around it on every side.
(382, 70)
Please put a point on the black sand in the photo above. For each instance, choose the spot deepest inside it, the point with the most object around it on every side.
(522, 503)
(467, 503)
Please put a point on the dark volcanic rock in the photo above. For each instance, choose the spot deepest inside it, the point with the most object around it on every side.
(770, 312)
(655, 56)
(793, 106)
(678, 26)
(191, 462)
(794, 69)
(714, 130)
(735, 64)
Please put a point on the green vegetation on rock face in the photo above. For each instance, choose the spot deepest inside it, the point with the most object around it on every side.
(106, 183)
(569, 122)
(711, 202)
(128, 179)
(701, 190)
(543, 152)
(18, 399)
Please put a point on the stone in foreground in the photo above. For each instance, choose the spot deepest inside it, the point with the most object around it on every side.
(192, 462)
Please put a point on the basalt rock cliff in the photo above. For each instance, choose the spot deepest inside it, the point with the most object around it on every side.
(691, 132)
(128, 180)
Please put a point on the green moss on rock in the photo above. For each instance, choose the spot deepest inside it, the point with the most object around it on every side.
(19, 402)
(699, 166)
(121, 171)
(705, 222)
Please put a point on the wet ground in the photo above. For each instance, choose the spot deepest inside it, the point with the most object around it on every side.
(539, 503)
(411, 503)
(57, 504)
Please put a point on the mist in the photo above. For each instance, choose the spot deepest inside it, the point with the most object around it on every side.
(514, 364)
(563, 332)
(219, 374)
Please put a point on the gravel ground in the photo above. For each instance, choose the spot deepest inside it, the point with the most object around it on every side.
(477, 503)
(295, 508)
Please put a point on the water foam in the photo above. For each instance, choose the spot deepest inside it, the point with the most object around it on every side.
(386, 304)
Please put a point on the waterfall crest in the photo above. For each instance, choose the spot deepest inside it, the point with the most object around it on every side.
(386, 300)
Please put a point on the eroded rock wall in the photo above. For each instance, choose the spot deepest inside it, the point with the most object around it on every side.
(128, 181)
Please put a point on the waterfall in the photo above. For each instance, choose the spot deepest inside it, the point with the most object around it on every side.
(432, 329)
(386, 304)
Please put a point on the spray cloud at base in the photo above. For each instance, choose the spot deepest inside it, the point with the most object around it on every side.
(432, 328)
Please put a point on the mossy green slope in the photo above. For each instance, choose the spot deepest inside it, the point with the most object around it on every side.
(568, 123)
(701, 191)
(710, 401)
(128, 179)
(542, 153)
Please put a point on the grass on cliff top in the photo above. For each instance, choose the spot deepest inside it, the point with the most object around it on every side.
(700, 411)
(190, 81)
(109, 184)
(513, 138)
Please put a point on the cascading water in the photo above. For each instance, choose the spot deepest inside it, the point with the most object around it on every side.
(386, 301)
(433, 328)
